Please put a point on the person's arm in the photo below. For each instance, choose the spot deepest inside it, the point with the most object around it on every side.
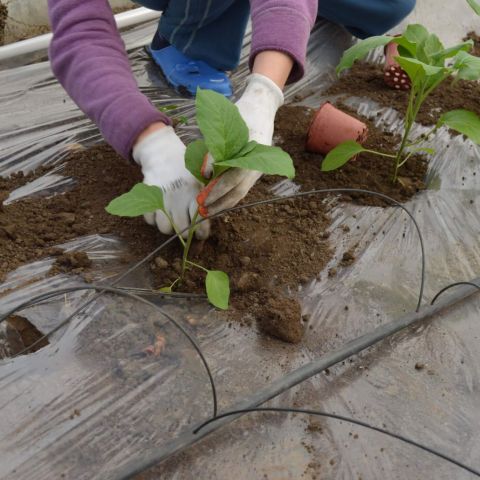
(280, 33)
(282, 26)
(88, 57)
(277, 66)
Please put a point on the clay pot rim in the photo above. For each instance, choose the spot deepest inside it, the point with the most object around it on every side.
(313, 140)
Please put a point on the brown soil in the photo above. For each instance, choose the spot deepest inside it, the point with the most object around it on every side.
(3, 21)
(29, 228)
(267, 251)
(20, 334)
(74, 262)
(366, 80)
(273, 322)
(476, 43)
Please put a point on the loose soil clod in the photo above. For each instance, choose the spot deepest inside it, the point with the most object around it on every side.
(281, 318)
(75, 262)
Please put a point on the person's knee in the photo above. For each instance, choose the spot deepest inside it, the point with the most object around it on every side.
(396, 11)
(376, 17)
(400, 10)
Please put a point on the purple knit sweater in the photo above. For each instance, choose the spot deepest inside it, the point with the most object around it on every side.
(88, 57)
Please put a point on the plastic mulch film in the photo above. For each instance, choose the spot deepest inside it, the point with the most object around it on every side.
(91, 404)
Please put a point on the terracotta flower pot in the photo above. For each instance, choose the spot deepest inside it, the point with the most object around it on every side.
(330, 127)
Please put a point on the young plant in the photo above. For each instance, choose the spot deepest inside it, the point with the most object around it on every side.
(225, 137)
(427, 63)
(182, 120)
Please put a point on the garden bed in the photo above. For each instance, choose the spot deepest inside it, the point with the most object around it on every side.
(365, 80)
(268, 250)
(93, 400)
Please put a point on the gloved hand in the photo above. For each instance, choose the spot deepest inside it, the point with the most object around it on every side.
(161, 156)
(258, 106)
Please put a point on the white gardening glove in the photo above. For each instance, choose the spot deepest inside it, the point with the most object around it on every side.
(161, 156)
(258, 106)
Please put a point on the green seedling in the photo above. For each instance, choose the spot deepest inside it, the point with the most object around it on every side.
(225, 136)
(427, 63)
(182, 120)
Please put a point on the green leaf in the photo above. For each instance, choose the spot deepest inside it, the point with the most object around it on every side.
(418, 70)
(139, 200)
(340, 155)
(194, 156)
(463, 121)
(217, 285)
(167, 108)
(418, 43)
(359, 50)
(247, 148)
(467, 66)
(416, 34)
(405, 48)
(452, 51)
(218, 168)
(431, 47)
(221, 124)
(430, 151)
(437, 79)
(265, 159)
(165, 290)
(475, 6)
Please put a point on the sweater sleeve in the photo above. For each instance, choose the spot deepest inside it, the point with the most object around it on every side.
(88, 57)
(283, 25)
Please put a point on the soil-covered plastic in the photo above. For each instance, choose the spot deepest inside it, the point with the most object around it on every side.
(120, 383)
(21, 19)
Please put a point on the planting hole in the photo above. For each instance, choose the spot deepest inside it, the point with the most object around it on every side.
(19, 334)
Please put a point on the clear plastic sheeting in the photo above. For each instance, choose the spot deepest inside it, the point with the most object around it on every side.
(93, 404)
(105, 396)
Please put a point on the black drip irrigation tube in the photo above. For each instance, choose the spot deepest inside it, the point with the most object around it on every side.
(290, 380)
(353, 421)
(456, 284)
(117, 291)
(300, 375)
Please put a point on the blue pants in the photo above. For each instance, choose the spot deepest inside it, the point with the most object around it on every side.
(213, 30)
